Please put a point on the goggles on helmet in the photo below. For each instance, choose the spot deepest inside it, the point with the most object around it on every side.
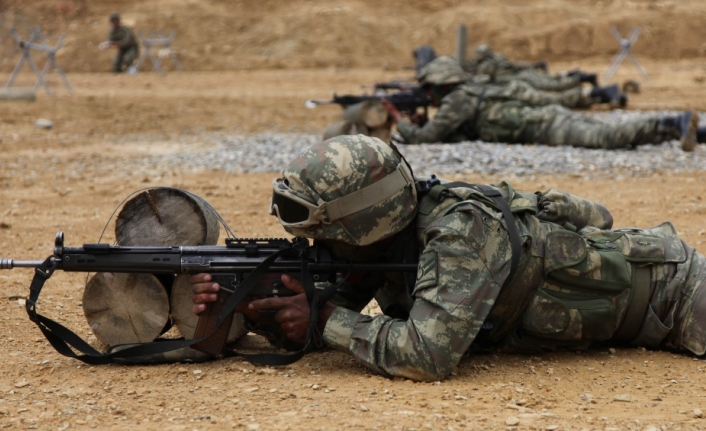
(293, 210)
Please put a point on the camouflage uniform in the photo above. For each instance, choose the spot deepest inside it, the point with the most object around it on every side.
(564, 296)
(128, 49)
(574, 285)
(469, 112)
(524, 92)
(501, 70)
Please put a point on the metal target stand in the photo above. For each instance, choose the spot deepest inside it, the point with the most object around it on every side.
(625, 51)
(157, 39)
(27, 46)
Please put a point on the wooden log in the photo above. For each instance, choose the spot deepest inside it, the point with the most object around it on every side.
(133, 308)
(166, 217)
(371, 113)
(125, 308)
(185, 320)
(18, 94)
(383, 133)
(344, 128)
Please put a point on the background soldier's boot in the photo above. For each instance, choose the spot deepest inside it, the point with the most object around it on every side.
(701, 135)
(682, 127)
(610, 94)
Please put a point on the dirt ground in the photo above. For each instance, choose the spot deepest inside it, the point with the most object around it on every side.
(245, 91)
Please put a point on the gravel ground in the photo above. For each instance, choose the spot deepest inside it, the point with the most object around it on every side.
(270, 152)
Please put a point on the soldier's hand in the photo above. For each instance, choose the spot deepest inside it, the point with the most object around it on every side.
(392, 110)
(418, 119)
(293, 314)
(206, 291)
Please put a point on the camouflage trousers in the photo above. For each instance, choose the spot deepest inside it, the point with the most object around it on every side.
(124, 58)
(591, 284)
(542, 81)
(555, 125)
(524, 92)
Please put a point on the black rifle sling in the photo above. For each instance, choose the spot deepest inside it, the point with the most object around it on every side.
(62, 338)
(513, 232)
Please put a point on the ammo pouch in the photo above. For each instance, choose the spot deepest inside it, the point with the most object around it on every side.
(597, 285)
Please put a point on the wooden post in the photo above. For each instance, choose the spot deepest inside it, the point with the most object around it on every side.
(461, 41)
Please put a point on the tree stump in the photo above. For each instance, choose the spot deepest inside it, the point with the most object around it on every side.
(185, 320)
(125, 308)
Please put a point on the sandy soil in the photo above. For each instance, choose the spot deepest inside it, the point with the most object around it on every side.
(109, 116)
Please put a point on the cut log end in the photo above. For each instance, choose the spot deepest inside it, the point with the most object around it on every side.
(166, 217)
(125, 308)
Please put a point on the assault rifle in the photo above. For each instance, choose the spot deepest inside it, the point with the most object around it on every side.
(397, 85)
(406, 101)
(243, 267)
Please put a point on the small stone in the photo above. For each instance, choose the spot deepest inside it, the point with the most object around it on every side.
(315, 387)
(251, 390)
(611, 351)
(363, 408)
(552, 427)
(623, 398)
(512, 421)
(698, 413)
(22, 383)
(182, 370)
(43, 123)
(197, 372)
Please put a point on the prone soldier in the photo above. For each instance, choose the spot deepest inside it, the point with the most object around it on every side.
(469, 111)
(498, 269)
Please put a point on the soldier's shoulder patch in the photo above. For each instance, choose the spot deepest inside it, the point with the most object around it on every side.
(428, 270)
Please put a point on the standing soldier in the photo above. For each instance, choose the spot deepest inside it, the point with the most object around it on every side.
(124, 39)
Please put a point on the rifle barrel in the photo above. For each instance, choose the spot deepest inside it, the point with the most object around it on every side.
(10, 263)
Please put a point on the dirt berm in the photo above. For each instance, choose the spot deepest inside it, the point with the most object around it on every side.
(223, 34)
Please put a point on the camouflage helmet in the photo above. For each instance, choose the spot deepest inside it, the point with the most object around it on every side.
(442, 70)
(483, 51)
(368, 178)
(114, 17)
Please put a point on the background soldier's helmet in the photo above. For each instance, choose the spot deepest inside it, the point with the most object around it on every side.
(483, 51)
(114, 17)
(342, 166)
(442, 70)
